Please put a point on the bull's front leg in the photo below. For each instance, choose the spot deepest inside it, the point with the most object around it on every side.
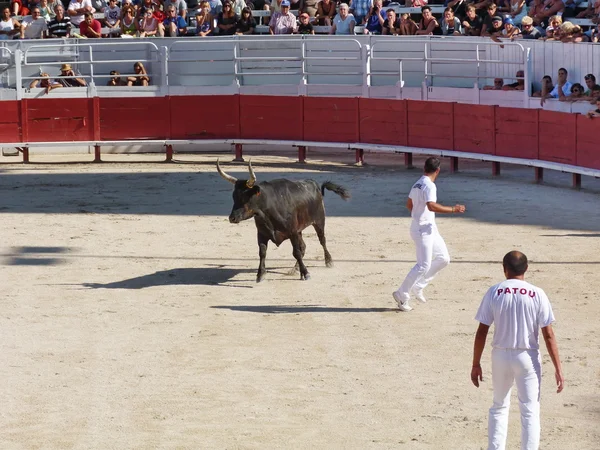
(297, 245)
(263, 242)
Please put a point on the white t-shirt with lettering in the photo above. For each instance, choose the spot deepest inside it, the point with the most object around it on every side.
(423, 191)
(518, 310)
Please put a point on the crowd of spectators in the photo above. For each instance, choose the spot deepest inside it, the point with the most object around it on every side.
(498, 19)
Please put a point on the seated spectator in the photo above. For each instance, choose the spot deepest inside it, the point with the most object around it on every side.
(428, 23)
(9, 27)
(112, 18)
(571, 7)
(173, 25)
(216, 6)
(591, 12)
(528, 30)
(498, 85)
(344, 22)
(90, 27)
(305, 26)
(99, 5)
(575, 95)
(77, 9)
(518, 10)
(19, 8)
(595, 34)
(247, 23)
(488, 18)
(407, 26)
(227, 20)
(237, 6)
(550, 9)
(391, 24)
(510, 31)
(71, 79)
(553, 29)
(149, 25)
(546, 85)
(309, 7)
(179, 5)
(450, 25)
(572, 33)
(518, 85)
(495, 31)
(155, 6)
(283, 22)
(592, 87)
(116, 79)
(205, 22)
(60, 26)
(34, 26)
(375, 18)
(472, 23)
(325, 12)
(459, 7)
(595, 112)
(141, 78)
(359, 10)
(46, 11)
(562, 86)
(129, 26)
(44, 82)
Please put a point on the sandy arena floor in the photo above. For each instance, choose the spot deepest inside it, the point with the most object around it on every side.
(130, 318)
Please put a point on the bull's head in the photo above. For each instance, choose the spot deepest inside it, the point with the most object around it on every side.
(245, 195)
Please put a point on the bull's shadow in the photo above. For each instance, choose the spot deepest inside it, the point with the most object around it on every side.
(291, 309)
(209, 276)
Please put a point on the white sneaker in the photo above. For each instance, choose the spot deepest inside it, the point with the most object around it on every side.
(418, 294)
(402, 302)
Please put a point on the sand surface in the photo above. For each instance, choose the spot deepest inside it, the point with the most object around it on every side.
(130, 317)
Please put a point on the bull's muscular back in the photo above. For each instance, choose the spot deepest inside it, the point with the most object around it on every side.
(288, 207)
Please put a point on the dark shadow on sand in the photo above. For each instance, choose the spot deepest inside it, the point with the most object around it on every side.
(287, 309)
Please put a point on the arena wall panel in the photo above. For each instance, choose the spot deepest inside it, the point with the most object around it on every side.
(330, 119)
(266, 117)
(430, 124)
(59, 120)
(383, 121)
(134, 118)
(557, 132)
(205, 117)
(516, 132)
(588, 142)
(10, 121)
(474, 128)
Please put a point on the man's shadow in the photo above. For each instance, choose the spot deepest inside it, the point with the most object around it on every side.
(209, 276)
(295, 309)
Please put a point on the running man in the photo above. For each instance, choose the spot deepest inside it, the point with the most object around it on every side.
(432, 254)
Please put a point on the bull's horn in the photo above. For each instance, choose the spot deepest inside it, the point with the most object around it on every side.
(252, 179)
(229, 178)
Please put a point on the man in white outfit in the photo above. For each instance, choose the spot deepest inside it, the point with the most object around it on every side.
(518, 310)
(432, 254)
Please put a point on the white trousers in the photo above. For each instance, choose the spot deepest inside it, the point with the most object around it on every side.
(432, 256)
(523, 368)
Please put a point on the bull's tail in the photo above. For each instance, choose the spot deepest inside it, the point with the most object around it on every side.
(339, 190)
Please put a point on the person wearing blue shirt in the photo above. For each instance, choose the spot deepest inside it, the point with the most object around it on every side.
(375, 18)
(173, 24)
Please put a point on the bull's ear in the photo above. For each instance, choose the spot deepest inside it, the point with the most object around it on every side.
(255, 190)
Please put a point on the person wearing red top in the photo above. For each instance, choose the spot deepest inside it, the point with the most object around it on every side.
(90, 27)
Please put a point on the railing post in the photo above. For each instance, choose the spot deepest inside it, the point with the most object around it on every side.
(495, 168)
(539, 174)
(408, 161)
(360, 157)
(164, 70)
(302, 154)
(97, 158)
(19, 73)
(366, 84)
(169, 153)
(302, 89)
(239, 153)
(577, 180)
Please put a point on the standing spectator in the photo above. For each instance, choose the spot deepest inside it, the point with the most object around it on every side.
(305, 26)
(77, 9)
(309, 7)
(518, 85)
(487, 20)
(179, 5)
(283, 22)
(129, 26)
(450, 25)
(9, 27)
(60, 26)
(90, 27)
(359, 9)
(528, 30)
(149, 25)
(116, 79)
(227, 20)
(141, 78)
(472, 23)
(375, 18)
(518, 310)
(112, 17)
(344, 22)
(173, 25)
(391, 23)
(562, 86)
(325, 12)
(44, 82)
(546, 85)
(407, 26)
(496, 28)
(510, 31)
(246, 24)
(593, 87)
(34, 26)
(71, 79)
(595, 112)
(429, 24)
(459, 7)
(204, 20)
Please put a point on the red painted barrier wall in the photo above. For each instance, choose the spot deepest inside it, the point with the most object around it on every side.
(513, 132)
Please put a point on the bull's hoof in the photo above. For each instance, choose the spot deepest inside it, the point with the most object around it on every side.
(305, 276)
(329, 263)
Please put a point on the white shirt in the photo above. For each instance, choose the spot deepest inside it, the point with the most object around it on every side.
(111, 15)
(75, 5)
(518, 310)
(423, 191)
(566, 90)
(34, 27)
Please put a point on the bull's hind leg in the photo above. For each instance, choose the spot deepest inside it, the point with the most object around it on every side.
(294, 270)
(298, 252)
(263, 242)
(320, 229)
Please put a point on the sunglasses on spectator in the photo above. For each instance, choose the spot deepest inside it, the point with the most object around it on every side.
(588, 77)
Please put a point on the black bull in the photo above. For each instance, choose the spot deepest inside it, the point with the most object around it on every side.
(281, 210)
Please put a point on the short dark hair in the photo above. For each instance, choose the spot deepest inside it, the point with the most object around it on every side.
(566, 71)
(431, 164)
(425, 8)
(515, 263)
